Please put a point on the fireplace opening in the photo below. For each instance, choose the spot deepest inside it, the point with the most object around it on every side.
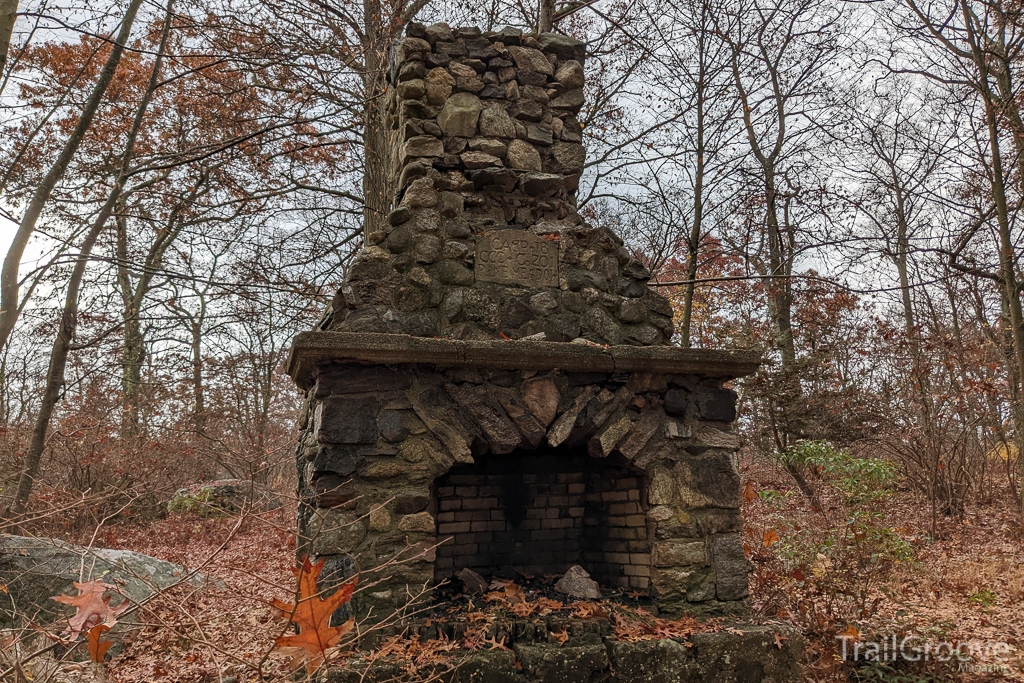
(540, 512)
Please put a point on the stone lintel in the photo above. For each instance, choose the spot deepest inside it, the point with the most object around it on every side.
(311, 349)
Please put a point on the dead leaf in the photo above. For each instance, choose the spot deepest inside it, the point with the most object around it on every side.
(749, 492)
(312, 615)
(91, 608)
(851, 632)
(98, 648)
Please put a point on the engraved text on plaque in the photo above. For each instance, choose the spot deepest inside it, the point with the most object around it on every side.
(516, 257)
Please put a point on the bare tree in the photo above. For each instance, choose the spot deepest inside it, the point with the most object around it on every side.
(9, 276)
(68, 321)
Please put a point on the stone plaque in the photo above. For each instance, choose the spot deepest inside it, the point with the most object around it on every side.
(514, 257)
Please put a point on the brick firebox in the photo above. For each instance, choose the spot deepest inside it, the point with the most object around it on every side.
(542, 512)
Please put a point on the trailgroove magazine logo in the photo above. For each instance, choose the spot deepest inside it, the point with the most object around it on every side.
(969, 656)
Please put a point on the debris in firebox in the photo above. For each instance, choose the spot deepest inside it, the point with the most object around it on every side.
(473, 582)
(577, 583)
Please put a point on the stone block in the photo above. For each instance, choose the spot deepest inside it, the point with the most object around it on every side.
(409, 503)
(348, 420)
(523, 156)
(526, 110)
(542, 184)
(420, 521)
(571, 101)
(709, 480)
(562, 46)
(439, 85)
(380, 519)
(422, 146)
(459, 115)
(730, 563)
(570, 74)
(529, 59)
(553, 664)
(680, 553)
(331, 532)
(495, 122)
(337, 460)
(716, 404)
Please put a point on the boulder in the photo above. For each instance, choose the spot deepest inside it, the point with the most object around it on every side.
(33, 570)
(473, 582)
(222, 496)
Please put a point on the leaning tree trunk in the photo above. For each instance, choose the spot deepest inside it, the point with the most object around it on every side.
(10, 275)
(8, 14)
(69, 314)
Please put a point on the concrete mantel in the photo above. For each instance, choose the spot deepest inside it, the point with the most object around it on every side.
(312, 349)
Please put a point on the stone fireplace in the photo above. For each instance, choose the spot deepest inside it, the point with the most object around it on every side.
(494, 387)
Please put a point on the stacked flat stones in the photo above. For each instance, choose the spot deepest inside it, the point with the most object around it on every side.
(486, 138)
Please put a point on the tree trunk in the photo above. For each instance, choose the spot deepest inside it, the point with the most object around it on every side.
(198, 390)
(9, 277)
(780, 288)
(131, 353)
(1008, 277)
(69, 315)
(376, 148)
(546, 20)
(8, 15)
(58, 361)
(693, 243)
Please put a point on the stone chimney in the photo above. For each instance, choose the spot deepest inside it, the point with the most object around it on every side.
(486, 241)
(494, 388)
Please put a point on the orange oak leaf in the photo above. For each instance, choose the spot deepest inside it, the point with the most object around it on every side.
(91, 608)
(311, 614)
(749, 492)
(98, 648)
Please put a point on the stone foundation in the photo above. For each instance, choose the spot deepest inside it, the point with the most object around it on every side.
(737, 652)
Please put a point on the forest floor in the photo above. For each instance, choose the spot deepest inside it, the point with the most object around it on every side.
(964, 586)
